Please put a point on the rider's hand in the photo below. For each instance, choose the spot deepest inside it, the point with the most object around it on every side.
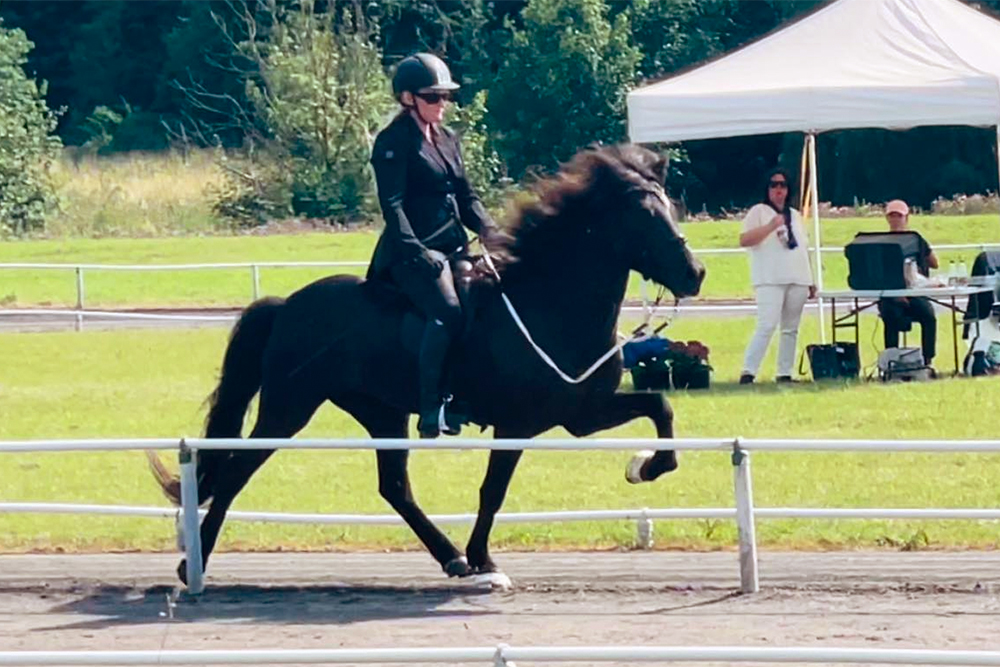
(428, 263)
(489, 236)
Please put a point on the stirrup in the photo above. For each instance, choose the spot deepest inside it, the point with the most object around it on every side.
(440, 422)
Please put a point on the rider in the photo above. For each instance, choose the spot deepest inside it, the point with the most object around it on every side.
(425, 198)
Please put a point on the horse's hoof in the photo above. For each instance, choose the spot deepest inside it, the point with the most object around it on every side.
(634, 469)
(496, 581)
(457, 567)
(182, 572)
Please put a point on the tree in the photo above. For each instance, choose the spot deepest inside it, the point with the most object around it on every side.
(53, 28)
(27, 147)
(563, 83)
(317, 95)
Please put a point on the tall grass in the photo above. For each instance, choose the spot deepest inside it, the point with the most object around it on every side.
(136, 195)
(143, 195)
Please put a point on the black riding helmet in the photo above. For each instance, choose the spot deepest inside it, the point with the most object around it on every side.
(422, 72)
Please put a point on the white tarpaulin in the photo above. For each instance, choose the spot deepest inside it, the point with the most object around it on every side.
(854, 64)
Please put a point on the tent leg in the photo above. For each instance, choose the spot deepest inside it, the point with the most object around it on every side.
(817, 237)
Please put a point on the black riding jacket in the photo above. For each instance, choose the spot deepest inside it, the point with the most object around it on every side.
(424, 193)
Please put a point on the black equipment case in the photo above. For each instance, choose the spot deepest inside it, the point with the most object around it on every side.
(833, 360)
(875, 259)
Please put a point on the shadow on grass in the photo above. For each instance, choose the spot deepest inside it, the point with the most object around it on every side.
(765, 387)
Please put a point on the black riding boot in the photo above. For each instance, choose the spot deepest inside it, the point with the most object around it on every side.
(434, 418)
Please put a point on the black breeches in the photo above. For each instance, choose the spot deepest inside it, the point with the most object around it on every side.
(898, 317)
(434, 297)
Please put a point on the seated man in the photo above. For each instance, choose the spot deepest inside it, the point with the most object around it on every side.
(899, 313)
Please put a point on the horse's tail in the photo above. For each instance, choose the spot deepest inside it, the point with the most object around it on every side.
(242, 373)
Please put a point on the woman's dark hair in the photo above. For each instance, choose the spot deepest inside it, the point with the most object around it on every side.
(786, 212)
(778, 171)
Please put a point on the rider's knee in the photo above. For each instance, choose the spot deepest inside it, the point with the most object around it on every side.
(451, 319)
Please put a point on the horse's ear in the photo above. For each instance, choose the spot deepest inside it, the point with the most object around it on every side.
(660, 168)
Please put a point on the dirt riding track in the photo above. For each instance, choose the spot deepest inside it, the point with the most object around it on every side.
(947, 600)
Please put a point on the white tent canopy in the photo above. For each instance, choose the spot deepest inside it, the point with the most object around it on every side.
(892, 64)
(855, 63)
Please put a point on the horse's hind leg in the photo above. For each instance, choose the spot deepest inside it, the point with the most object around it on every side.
(394, 481)
(282, 414)
(618, 409)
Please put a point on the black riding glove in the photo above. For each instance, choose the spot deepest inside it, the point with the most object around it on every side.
(427, 264)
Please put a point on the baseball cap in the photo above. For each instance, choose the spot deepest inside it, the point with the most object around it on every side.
(897, 206)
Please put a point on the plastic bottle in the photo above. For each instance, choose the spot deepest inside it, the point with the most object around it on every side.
(910, 272)
(963, 273)
(952, 272)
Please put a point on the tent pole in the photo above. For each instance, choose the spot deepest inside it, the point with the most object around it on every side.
(803, 172)
(817, 237)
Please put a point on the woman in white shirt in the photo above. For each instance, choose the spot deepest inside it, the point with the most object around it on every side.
(782, 277)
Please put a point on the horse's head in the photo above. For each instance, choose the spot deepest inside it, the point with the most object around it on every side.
(608, 206)
(646, 235)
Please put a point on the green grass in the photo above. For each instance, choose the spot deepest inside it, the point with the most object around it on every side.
(215, 287)
(728, 275)
(151, 384)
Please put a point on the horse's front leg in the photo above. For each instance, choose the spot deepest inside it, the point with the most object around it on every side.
(394, 486)
(491, 496)
(617, 409)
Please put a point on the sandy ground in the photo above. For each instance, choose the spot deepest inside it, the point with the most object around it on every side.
(936, 600)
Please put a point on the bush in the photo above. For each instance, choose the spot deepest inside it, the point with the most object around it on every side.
(562, 84)
(27, 146)
(483, 165)
(322, 95)
(317, 95)
(966, 205)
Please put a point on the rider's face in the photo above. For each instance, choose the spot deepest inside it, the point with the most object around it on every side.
(431, 112)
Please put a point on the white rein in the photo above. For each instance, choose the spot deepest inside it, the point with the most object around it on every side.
(636, 335)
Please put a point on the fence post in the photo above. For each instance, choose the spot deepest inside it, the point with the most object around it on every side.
(255, 276)
(498, 657)
(644, 530)
(192, 528)
(80, 294)
(745, 519)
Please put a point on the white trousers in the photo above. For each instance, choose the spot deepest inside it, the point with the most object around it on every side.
(776, 304)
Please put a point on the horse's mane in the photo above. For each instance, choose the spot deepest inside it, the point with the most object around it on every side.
(581, 192)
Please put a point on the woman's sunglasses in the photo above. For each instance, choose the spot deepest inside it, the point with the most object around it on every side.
(778, 184)
(434, 98)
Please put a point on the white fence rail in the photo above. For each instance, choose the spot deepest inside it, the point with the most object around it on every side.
(254, 268)
(505, 656)
(39, 314)
(638, 515)
(739, 448)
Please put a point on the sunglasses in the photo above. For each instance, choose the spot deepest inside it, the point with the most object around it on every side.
(778, 184)
(434, 98)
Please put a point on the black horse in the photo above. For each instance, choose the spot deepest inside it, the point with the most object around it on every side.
(564, 266)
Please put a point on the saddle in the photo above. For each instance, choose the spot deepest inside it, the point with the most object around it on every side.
(473, 279)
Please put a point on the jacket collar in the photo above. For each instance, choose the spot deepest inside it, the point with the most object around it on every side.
(441, 155)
